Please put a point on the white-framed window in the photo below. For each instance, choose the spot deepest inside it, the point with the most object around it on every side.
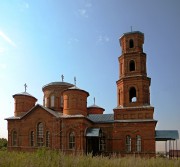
(138, 143)
(45, 101)
(52, 101)
(47, 139)
(14, 138)
(102, 143)
(72, 140)
(32, 138)
(128, 143)
(40, 136)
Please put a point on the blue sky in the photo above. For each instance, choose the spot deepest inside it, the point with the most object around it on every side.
(42, 39)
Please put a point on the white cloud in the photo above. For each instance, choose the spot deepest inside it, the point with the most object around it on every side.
(83, 12)
(7, 39)
(73, 40)
(102, 39)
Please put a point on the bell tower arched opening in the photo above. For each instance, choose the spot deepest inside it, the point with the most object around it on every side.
(131, 43)
(132, 65)
(132, 95)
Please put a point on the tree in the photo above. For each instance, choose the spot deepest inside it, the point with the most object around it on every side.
(3, 143)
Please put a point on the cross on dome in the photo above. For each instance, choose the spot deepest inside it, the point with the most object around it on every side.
(75, 81)
(25, 86)
(62, 77)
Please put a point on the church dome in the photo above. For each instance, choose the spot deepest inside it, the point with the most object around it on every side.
(75, 101)
(57, 84)
(53, 98)
(23, 94)
(75, 88)
(23, 103)
(94, 109)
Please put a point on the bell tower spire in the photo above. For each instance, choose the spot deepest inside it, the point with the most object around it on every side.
(133, 84)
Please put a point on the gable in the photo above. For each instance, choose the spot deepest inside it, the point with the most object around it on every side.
(40, 111)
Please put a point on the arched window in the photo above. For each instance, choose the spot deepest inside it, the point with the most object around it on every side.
(119, 96)
(46, 101)
(40, 134)
(14, 138)
(52, 100)
(131, 43)
(71, 140)
(132, 95)
(138, 143)
(128, 143)
(132, 65)
(61, 101)
(47, 139)
(102, 146)
(32, 138)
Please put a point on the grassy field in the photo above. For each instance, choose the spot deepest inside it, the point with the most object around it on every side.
(44, 158)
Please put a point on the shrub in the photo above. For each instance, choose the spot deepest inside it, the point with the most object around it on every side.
(3, 143)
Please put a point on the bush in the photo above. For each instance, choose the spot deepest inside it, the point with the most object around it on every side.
(3, 143)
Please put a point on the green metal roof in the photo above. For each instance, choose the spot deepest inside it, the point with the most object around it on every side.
(164, 135)
(101, 118)
(93, 132)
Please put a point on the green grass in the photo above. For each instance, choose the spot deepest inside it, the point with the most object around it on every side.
(46, 158)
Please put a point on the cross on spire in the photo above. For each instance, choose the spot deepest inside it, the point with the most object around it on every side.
(94, 100)
(25, 86)
(62, 77)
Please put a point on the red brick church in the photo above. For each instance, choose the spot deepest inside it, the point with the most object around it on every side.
(64, 122)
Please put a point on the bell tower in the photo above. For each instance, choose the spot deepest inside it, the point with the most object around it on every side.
(133, 85)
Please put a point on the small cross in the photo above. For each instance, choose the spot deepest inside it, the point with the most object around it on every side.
(131, 28)
(75, 81)
(62, 76)
(94, 100)
(25, 86)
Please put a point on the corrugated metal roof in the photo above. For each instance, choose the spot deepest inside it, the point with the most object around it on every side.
(23, 94)
(72, 116)
(95, 106)
(76, 88)
(164, 135)
(132, 32)
(93, 132)
(122, 107)
(13, 117)
(136, 120)
(58, 84)
(101, 117)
